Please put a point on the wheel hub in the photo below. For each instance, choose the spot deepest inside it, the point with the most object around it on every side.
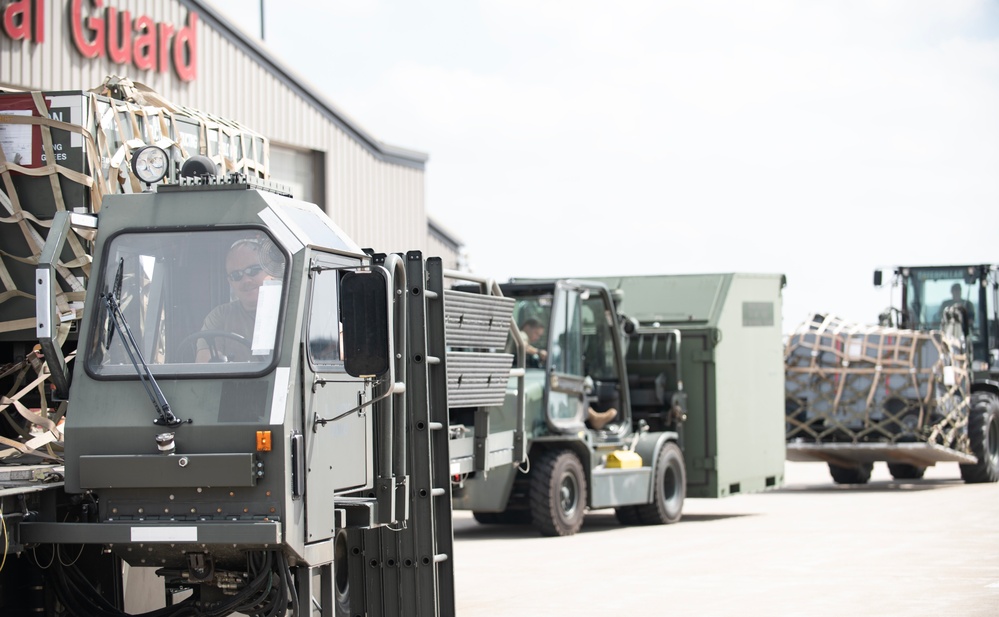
(568, 495)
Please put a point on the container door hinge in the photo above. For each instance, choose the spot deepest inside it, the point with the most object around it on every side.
(710, 463)
(706, 356)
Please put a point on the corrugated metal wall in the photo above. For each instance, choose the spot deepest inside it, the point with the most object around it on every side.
(444, 244)
(374, 192)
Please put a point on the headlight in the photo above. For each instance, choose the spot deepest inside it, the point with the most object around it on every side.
(149, 163)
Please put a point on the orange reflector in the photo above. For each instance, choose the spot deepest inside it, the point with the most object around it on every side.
(263, 441)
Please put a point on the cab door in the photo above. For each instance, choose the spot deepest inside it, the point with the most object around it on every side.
(585, 367)
(566, 403)
(338, 455)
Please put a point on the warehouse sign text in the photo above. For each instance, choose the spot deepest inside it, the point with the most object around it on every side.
(100, 31)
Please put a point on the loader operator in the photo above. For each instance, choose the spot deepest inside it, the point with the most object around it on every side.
(966, 308)
(245, 275)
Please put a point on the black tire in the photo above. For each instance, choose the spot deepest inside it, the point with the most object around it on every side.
(983, 431)
(486, 518)
(669, 489)
(627, 515)
(558, 493)
(515, 517)
(507, 517)
(857, 474)
(905, 471)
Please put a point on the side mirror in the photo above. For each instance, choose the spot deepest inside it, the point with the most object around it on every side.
(364, 313)
(877, 278)
(629, 325)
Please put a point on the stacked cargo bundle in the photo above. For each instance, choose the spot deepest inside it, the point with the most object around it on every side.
(64, 152)
(847, 383)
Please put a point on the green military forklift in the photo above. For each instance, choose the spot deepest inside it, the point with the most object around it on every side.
(639, 392)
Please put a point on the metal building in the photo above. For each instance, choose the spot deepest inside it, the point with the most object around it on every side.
(191, 55)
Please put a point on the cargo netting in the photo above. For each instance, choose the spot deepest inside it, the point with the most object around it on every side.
(849, 383)
(67, 151)
(70, 154)
(35, 433)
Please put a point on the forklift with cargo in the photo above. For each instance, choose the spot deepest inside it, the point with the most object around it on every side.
(920, 388)
(642, 390)
(292, 459)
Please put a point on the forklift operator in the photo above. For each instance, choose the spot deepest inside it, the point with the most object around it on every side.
(531, 332)
(245, 275)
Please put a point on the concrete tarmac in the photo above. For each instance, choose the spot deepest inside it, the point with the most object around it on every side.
(926, 548)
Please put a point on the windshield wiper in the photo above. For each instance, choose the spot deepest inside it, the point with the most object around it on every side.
(111, 297)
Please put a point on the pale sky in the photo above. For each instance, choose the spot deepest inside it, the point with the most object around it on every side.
(818, 139)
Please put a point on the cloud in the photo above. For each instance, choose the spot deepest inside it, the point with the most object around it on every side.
(817, 139)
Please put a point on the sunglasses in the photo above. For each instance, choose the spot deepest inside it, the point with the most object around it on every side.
(250, 271)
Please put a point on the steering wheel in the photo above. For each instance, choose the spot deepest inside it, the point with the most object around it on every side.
(210, 336)
(534, 361)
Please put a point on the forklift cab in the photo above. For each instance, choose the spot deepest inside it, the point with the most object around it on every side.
(584, 366)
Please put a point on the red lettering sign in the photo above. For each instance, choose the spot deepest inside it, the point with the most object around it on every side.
(119, 37)
(146, 44)
(185, 50)
(25, 20)
(166, 30)
(91, 44)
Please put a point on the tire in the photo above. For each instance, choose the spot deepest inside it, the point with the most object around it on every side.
(905, 471)
(507, 517)
(669, 489)
(858, 474)
(486, 518)
(558, 493)
(627, 515)
(515, 517)
(983, 431)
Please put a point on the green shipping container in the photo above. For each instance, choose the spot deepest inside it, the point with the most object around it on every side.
(731, 369)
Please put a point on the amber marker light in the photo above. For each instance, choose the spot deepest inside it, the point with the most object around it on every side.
(263, 441)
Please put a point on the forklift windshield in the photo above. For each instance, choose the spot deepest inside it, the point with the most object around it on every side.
(194, 301)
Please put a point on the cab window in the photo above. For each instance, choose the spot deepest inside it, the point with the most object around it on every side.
(194, 301)
(324, 348)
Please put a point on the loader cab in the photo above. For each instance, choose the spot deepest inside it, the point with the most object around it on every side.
(584, 366)
(929, 292)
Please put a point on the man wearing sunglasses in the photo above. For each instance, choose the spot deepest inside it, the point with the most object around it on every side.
(245, 276)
